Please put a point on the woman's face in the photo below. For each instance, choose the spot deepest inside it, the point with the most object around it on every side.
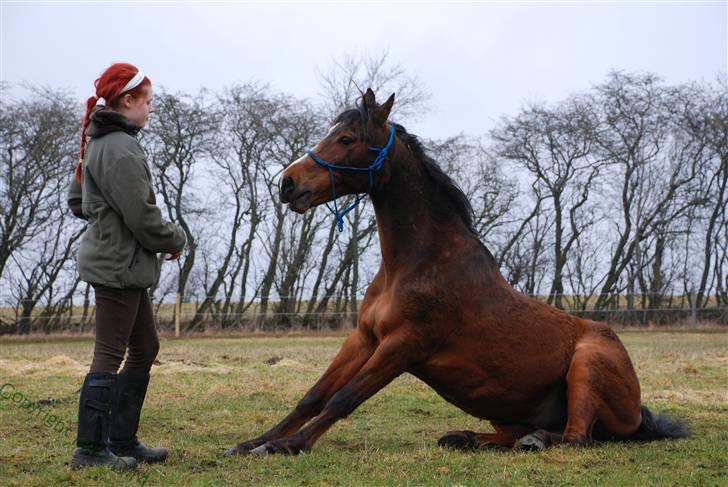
(137, 108)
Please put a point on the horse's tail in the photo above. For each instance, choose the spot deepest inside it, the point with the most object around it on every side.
(659, 427)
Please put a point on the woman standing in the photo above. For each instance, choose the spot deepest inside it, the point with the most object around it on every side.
(112, 189)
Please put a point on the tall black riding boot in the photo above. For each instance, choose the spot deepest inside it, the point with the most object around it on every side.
(131, 390)
(94, 408)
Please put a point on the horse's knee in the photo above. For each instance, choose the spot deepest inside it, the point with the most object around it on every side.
(341, 404)
(311, 404)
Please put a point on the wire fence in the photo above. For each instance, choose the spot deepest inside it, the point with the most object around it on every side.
(337, 312)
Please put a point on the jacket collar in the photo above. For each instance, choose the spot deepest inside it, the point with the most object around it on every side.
(104, 120)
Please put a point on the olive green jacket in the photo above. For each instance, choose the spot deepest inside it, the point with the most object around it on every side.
(125, 227)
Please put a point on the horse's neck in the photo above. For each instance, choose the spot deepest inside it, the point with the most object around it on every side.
(408, 231)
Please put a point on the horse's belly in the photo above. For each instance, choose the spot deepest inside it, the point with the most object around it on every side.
(540, 401)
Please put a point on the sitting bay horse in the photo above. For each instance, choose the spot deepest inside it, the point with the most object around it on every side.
(439, 309)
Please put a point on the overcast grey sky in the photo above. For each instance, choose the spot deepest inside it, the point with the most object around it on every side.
(479, 60)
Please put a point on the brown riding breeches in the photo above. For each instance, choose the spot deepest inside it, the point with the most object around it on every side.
(124, 318)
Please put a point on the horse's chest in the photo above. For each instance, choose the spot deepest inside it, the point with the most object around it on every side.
(376, 317)
(419, 311)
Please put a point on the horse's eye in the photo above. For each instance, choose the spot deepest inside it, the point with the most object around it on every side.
(345, 140)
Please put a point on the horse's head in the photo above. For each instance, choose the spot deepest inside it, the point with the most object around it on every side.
(346, 161)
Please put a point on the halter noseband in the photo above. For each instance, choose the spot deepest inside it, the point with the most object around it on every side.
(373, 167)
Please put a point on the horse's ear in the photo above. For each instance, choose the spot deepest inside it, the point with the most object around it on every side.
(370, 100)
(381, 114)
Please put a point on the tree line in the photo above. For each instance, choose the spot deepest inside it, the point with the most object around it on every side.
(615, 192)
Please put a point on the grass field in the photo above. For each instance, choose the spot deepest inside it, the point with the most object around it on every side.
(209, 393)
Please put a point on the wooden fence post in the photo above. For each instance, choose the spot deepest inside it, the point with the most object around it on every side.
(177, 312)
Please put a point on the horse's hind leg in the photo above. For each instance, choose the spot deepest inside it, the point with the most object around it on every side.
(354, 353)
(505, 437)
(602, 389)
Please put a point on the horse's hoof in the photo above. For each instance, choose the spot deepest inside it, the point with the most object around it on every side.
(231, 452)
(459, 440)
(536, 441)
(261, 451)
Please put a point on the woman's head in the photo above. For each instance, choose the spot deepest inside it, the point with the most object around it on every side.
(124, 88)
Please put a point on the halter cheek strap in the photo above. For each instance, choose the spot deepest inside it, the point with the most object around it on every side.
(370, 170)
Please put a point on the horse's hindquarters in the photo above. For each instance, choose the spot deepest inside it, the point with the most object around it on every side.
(603, 390)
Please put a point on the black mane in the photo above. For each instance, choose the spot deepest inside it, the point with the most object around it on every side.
(447, 197)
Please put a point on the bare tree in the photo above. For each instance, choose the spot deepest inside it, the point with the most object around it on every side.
(556, 147)
(343, 81)
(583, 270)
(245, 137)
(654, 187)
(338, 281)
(37, 234)
(478, 174)
(38, 143)
(181, 133)
(721, 264)
(38, 271)
(702, 117)
(292, 262)
(294, 126)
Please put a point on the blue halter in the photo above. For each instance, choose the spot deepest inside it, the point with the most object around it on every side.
(373, 167)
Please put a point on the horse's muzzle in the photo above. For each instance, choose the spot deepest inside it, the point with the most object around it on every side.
(287, 189)
(299, 201)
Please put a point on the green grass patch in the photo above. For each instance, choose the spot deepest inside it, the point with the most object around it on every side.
(207, 394)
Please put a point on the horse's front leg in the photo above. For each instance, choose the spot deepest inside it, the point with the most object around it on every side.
(388, 361)
(354, 353)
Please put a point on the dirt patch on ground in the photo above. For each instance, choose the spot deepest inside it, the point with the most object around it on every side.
(64, 365)
(289, 364)
(187, 366)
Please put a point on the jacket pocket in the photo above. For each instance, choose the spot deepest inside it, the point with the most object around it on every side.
(143, 270)
(133, 256)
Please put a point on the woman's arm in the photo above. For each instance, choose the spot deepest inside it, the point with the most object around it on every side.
(75, 202)
(128, 191)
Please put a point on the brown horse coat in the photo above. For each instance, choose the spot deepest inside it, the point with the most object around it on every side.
(439, 309)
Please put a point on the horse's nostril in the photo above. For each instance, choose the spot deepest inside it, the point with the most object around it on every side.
(286, 187)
